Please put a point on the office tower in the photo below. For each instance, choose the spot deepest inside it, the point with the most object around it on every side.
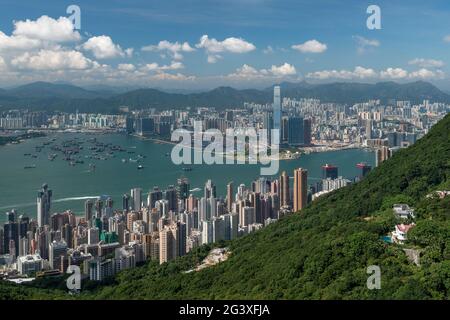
(234, 225)
(98, 208)
(307, 132)
(144, 126)
(368, 129)
(210, 189)
(129, 123)
(363, 169)
(43, 205)
(23, 226)
(88, 209)
(181, 238)
(276, 108)
(268, 125)
(126, 202)
(57, 249)
(329, 171)
(183, 188)
(170, 194)
(191, 203)
(136, 194)
(212, 204)
(67, 234)
(284, 129)
(382, 154)
(247, 216)
(10, 233)
(284, 190)
(295, 131)
(108, 211)
(229, 196)
(300, 189)
(153, 196)
(93, 235)
(2, 248)
(163, 207)
(207, 232)
(218, 225)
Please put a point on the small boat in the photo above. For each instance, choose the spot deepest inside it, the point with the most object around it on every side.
(140, 167)
(30, 166)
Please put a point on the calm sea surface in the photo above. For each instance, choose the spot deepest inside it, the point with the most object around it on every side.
(72, 184)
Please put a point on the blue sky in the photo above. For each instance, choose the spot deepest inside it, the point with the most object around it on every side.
(246, 43)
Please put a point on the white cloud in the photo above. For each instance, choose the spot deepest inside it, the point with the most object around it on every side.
(102, 47)
(174, 48)
(285, 69)
(447, 38)
(233, 45)
(126, 67)
(427, 63)
(52, 60)
(17, 42)
(47, 29)
(310, 46)
(268, 50)
(364, 44)
(2, 64)
(357, 73)
(361, 73)
(247, 72)
(175, 65)
(426, 74)
(394, 73)
(172, 77)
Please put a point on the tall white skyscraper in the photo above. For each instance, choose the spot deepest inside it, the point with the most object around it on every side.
(276, 108)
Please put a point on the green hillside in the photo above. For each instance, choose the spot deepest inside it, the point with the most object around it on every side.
(321, 252)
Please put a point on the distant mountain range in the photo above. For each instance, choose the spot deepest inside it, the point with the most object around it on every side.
(67, 97)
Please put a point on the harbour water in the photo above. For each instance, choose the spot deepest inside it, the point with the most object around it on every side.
(115, 174)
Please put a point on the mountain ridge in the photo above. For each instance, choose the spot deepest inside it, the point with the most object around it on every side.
(65, 97)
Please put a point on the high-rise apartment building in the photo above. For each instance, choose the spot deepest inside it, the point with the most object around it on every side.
(300, 189)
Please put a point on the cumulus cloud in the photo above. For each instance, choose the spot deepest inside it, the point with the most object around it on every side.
(427, 74)
(358, 73)
(214, 47)
(247, 72)
(285, 69)
(394, 73)
(175, 65)
(364, 44)
(310, 46)
(102, 47)
(52, 60)
(173, 48)
(47, 29)
(361, 73)
(427, 63)
(126, 67)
